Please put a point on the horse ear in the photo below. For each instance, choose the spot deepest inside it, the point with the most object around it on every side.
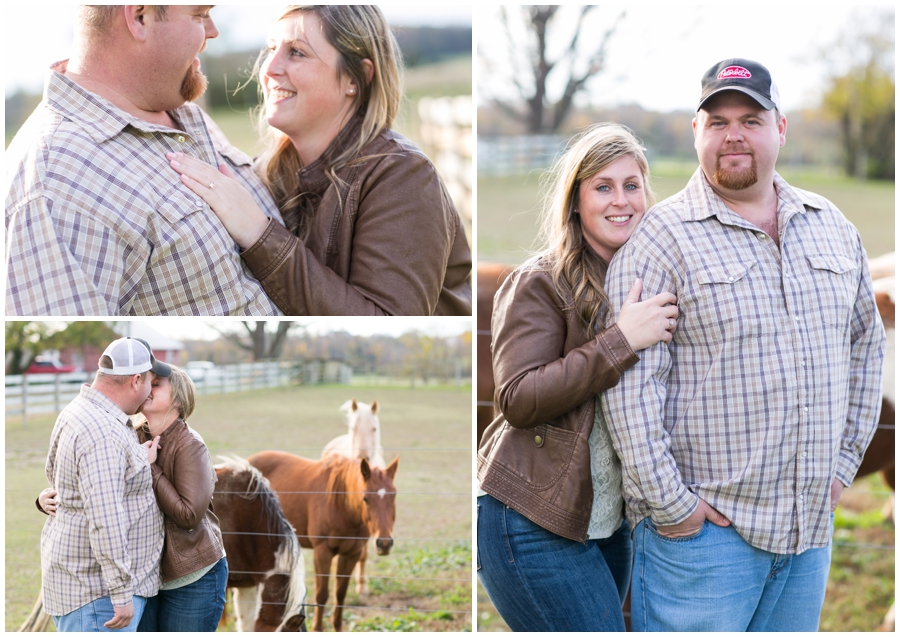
(391, 471)
(374, 407)
(365, 469)
(353, 405)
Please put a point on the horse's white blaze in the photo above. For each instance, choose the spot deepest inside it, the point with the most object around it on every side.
(381, 492)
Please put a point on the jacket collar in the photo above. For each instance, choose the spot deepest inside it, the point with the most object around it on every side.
(314, 177)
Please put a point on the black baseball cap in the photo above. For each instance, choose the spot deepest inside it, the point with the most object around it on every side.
(740, 74)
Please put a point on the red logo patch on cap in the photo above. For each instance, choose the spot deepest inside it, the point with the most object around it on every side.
(734, 72)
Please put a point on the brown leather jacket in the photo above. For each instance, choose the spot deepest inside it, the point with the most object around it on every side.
(184, 479)
(534, 457)
(390, 243)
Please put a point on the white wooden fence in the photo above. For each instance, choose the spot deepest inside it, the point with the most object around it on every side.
(49, 393)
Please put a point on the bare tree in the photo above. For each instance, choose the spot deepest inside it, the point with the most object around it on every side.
(528, 65)
(258, 339)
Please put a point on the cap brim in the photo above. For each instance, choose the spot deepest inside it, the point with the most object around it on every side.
(762, 101)
(161, 369)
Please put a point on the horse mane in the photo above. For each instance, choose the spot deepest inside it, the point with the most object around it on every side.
(258, 487)
(288, 558)
(346, 488)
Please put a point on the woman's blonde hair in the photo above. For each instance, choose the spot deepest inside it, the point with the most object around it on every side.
(183, 393)
(571, 260)
(358, 32)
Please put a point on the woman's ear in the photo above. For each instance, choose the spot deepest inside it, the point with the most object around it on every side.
(370, 69)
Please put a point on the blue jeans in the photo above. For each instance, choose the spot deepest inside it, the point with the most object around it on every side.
(715, 581)
(540, 581)
(91, 617)
(196, 607)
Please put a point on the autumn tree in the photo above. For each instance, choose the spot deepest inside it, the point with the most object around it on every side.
(534, 70)
(860, 93)
(258, 338)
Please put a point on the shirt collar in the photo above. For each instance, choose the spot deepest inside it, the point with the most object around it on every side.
(703, 202)
(101, 119)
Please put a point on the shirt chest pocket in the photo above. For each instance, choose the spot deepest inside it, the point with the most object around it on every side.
(726, 296)
(835, 283)
(185, 220)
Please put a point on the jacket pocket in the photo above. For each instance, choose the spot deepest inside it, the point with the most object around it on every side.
(538, 456)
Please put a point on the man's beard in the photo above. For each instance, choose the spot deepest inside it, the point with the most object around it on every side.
(734, 178)
(193, 85)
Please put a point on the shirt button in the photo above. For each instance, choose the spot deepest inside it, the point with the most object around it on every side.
(801, 496)
(538, 441)
(803, 454)
(806, 409)
(731, 278)
(797, 318)
(198, 203)
(761, 235)
(181, 139)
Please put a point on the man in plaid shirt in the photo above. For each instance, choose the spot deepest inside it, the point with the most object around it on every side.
(97, 222)
(100, 552)
(738, 437)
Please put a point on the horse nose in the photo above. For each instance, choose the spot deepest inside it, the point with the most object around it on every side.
(384, 544)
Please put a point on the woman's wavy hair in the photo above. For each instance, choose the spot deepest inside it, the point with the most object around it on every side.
(358, 32)
(573, 263)
(183, 392)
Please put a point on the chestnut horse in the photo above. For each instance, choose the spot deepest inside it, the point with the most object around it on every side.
(490, 277)
(335, 504)
(363, 440)
(265, 564)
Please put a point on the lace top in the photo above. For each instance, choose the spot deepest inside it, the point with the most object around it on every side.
(608, 508)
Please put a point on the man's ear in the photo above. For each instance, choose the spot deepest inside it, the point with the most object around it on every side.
(136, 20)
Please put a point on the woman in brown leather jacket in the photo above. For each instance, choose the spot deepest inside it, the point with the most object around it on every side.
(554, 550)
(369, 226)
(193, 567)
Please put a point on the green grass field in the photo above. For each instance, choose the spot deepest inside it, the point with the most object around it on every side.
(508, 207)
(428, 575)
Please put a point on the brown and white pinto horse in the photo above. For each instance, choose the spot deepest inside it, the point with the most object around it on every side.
(265, 564)
(335, 504)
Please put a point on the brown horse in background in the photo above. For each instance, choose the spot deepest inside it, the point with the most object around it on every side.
(265, 564)
(335, 504)
(490, 277)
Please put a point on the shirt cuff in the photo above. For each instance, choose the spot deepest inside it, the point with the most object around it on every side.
(678, 509)
(847, 466)
(121, 596)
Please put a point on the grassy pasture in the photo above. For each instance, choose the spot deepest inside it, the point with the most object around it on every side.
(431, 430)
(508, 207)
(860, 583)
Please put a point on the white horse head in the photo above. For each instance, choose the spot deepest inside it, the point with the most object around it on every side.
(363, 437)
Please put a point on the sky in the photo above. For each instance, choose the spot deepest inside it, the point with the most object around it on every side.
(660, 51)
(36, 34)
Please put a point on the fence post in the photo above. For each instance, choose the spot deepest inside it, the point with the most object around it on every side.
(24, 400)
(56, 393)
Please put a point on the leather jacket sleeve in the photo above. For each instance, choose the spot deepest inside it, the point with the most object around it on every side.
(185, 498)
(538, 374)
(403, 233)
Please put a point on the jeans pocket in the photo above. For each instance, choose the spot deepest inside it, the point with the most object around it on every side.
(687, 538)
(477, 554)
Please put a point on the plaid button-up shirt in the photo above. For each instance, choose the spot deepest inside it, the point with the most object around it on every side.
(98, 223)
(771, 386)
(107, 536)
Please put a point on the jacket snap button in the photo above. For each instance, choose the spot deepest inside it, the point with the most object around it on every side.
(538, 441)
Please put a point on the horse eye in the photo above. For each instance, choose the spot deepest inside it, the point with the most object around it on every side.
(366, 500)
